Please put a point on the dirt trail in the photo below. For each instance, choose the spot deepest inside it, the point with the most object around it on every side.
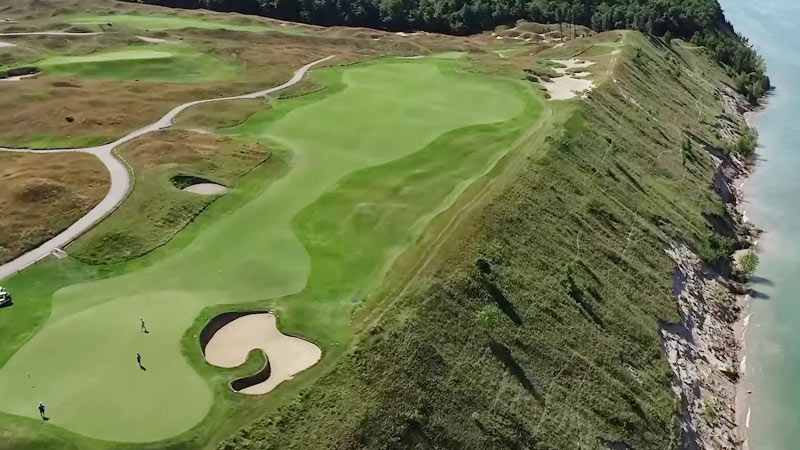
(121, 180)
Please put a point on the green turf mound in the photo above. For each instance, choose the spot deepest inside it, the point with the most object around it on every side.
(160, 62)
(158, 22)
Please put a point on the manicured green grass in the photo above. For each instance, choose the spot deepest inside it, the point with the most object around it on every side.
(385, 149)
(157, 22)
(159, 62)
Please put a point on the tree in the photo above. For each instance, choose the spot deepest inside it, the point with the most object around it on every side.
(747, 142)
(748, 263)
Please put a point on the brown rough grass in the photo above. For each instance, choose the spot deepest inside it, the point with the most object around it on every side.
(41, 195)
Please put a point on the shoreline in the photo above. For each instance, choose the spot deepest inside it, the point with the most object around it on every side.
(742, 407)
(705, 348)
(744, 388)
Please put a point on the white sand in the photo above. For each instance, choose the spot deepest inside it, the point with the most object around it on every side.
(206, 189)
(18, 77)
(152, 40)
(287, 355)
(569, 85)
(573, 63)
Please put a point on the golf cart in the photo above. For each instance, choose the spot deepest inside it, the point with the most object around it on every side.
(5, 297)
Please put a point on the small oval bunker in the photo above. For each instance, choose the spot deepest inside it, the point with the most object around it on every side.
(197, 185)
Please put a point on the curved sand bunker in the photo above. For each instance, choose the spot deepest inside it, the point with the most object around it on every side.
(568, 85)
(286, 355)
(206, 189)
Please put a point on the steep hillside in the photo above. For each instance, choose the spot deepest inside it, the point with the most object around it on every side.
(538, 324)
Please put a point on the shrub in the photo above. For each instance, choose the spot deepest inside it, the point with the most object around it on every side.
(748, 263)
(488, 316)
(748, 139)
(715, 249)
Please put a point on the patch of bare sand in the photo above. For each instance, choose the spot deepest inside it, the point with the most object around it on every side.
(18, 77)
(206, 189)
(153, 40)
(569, 85)
(287, 355)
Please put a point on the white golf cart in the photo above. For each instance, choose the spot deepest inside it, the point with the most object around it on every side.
(5, 297)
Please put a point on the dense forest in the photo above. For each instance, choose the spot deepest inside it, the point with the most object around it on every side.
(700, 21)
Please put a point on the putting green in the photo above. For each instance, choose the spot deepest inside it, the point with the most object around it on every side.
(158, 22)
(160, 62)
(386, 148)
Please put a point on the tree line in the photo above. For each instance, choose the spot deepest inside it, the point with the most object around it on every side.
(700, 21)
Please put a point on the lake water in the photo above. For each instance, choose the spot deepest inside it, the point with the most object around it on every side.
(772, 338)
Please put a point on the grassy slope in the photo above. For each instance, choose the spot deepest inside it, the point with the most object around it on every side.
(159, 62)
(572, 254)
(44, 194)
(210, 261)
(161, 22)
(218, 115)
(156, 209)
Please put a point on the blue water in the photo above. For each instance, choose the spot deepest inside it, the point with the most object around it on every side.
(772, 339)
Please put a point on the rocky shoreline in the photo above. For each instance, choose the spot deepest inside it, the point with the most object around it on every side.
(704, 348)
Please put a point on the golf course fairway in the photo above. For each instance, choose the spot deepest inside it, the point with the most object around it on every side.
(388, 146)
(160, 62)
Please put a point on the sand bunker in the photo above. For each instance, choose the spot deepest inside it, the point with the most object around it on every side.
(18, 77)
(206, 189)
(152, 40)
(568, 85)
(50, 33)
(286, 355)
